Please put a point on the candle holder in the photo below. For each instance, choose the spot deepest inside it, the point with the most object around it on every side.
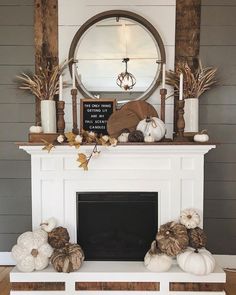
(60, 117)
(74, 92)
(180, 122)
(163, 93)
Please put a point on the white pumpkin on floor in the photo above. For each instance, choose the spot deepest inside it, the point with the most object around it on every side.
(156, 261)
(152, 126)
(32, 251)
(197, 262)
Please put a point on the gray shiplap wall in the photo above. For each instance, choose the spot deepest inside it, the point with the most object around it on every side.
(218, 115)
(16, 115)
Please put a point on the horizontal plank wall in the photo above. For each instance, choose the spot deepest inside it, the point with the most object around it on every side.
(161, 13)
(218, 116)
(16, 115)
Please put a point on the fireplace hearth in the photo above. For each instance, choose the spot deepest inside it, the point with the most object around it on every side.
(116, 225)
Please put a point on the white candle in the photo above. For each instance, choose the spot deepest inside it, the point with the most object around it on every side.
(73, 76)
(163, 75)
(60, 87)
(181, 86)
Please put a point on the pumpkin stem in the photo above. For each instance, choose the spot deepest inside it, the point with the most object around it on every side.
(204, 131)
(44, 223)
(196, 251)
(148, 119)
(34, 252)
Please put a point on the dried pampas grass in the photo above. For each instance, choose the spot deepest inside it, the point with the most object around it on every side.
(45, 84)
(196, 81)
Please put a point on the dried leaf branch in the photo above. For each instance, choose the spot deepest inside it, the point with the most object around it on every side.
(196, 81)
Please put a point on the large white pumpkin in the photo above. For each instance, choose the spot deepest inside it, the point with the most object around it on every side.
(156, 261)
(152, 126)
(32, 251)
(197, 262)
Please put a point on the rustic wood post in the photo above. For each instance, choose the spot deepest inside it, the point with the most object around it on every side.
(46, 39)
(187, 38)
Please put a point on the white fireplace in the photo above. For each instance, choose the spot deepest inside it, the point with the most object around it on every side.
(175, 172)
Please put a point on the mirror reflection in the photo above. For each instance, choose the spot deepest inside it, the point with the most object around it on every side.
(117, 57)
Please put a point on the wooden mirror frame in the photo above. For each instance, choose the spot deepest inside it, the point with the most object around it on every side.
(125, 14)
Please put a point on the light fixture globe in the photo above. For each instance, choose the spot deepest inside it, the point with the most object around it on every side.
(126, 80)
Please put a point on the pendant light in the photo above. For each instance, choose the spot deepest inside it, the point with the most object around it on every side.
(126, 80)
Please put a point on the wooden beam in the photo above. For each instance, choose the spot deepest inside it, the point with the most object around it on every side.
(46, 38)
(187, 35)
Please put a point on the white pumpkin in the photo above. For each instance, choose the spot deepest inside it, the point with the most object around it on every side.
(49, 225)
(201, 137)
(190, 218)
(123, 137)
(152, 126)
(32, 251)
(36, 129)
(156, 261)
(149, 138)
(197, 262)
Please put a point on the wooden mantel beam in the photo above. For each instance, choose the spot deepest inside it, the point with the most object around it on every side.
(46, 37)
(188, 21)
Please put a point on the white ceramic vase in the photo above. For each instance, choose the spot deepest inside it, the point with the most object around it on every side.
(191, 115)
(48, 116)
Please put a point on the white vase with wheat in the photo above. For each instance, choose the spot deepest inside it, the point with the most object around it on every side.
(45, 86)
(196, 81)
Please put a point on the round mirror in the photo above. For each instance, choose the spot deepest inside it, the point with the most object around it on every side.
(118, 55)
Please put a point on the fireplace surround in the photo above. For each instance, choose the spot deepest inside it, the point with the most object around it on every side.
(175, 172)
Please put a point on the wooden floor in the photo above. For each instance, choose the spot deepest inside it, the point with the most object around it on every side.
(5, 283)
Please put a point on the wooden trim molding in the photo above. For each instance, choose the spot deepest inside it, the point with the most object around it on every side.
(117, 286)
(46, 39)
(202, 287)
(36, 286)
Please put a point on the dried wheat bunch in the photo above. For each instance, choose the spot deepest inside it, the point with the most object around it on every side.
(196, 81)
(45, 84)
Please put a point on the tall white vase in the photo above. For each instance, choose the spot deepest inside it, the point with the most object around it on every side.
(48, 116)
(191, 115)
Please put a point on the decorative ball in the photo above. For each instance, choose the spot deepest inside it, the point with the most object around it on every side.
(58, 237)
(136, 136)
(157, 261)
(67, 259)
(172, 238)
(197, 238)
(190, 218)
(197, 262)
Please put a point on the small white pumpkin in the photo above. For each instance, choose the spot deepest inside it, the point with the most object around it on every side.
(123, 137)
(149, 138)
(78, 138)
(197, 262)
(201, 137)
(60, 138)
(152, 126)
(49, 225)
(156, 261)
(32, 251)
(190, 218)
(36, 129)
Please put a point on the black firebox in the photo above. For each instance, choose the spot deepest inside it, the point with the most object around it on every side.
(116, 226)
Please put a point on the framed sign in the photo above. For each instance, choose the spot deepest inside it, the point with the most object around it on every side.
(94, 114)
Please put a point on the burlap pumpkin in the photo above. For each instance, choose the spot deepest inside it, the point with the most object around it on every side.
(67, 259)
(197, 238)
(172, 238)
(58, 237)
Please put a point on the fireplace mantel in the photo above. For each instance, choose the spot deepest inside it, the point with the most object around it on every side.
(174, 171)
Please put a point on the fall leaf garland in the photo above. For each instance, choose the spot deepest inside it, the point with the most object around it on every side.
(85, 137)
